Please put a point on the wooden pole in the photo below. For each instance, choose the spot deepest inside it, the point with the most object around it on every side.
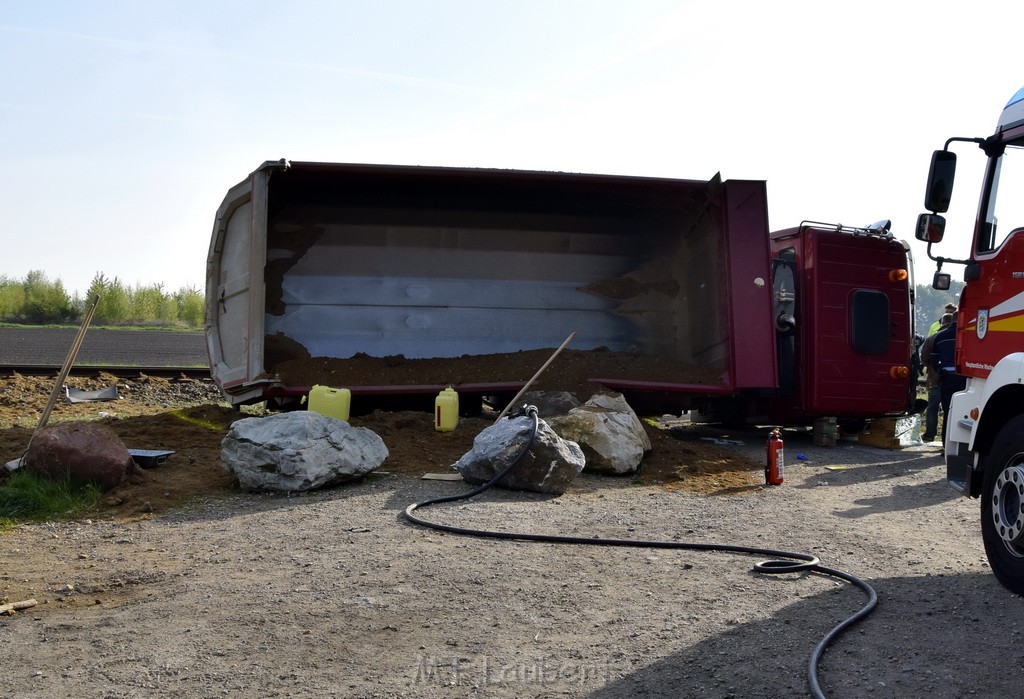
(539, 372)
(68, 363)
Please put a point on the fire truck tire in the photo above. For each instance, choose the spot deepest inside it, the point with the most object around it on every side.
(1002, 506)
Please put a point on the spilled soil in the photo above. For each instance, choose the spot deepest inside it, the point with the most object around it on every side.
(188, 418)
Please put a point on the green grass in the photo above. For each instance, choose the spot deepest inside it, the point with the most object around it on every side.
(27, 497)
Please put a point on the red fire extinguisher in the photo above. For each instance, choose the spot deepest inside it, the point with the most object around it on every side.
(773, 466)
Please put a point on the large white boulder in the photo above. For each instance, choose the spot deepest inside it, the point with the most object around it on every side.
(612, 437)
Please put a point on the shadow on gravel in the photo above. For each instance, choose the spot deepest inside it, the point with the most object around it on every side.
(902, 498)
(235, 502)
(402, 492)
(856, 466)
(930, 636)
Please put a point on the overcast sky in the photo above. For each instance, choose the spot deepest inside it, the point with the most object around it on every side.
(126, 122)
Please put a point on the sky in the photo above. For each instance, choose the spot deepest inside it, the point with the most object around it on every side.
(126, 122)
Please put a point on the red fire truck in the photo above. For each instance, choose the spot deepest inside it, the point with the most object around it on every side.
(984, 447)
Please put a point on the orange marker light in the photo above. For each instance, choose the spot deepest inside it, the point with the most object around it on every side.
(898, 275)
(899, 372)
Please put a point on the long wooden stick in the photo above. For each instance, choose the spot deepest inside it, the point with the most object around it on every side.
(68, 362)
(539, 372)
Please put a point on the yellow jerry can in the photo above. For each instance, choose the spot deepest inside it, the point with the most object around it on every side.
(446, 410)
(332, 402)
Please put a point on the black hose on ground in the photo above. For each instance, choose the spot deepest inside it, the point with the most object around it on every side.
(780, 561)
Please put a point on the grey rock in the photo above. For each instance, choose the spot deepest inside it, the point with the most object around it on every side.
(549, 467)
(298, 451)
(612, 437)
(550, 403)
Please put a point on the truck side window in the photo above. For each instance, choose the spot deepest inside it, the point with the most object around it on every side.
(1005, 211)
(869, 321)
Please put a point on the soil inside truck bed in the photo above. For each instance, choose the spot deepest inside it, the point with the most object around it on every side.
(572, 370)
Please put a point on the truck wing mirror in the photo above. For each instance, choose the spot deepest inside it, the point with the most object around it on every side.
(940, 181)
(941, 281)
(930, 228)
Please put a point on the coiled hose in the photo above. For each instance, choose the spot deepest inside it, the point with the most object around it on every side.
(779, 562)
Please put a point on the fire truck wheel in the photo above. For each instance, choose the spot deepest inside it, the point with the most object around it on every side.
(1002, 506)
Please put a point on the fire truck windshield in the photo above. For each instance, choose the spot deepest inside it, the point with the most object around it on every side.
(1004, 212)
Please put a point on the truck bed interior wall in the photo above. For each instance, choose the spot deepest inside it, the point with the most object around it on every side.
(429, 263)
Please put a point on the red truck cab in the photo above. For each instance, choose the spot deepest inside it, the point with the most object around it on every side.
(850, 351)
(984, 447)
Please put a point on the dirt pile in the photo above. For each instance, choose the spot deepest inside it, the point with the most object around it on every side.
(23, 398)
(187, 417)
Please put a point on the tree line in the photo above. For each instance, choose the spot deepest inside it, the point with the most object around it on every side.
(38, 300)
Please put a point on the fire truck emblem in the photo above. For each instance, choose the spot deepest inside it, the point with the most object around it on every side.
(982, 323)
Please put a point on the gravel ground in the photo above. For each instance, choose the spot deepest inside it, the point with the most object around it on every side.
(333, 594)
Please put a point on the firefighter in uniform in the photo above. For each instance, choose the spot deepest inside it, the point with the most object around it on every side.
(943, 360)
(931, 382)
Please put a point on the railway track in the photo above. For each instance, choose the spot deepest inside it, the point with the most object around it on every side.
(191, 372)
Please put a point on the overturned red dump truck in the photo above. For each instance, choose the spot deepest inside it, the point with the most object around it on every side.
(676, 287)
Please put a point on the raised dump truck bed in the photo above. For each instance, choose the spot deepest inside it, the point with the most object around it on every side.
(335, 261)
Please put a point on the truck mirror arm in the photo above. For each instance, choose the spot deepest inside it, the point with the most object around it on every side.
(942, 260)
(983, 143)
(993, 146)
(941, 280)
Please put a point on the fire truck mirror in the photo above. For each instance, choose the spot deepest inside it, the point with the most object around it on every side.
(941, 281)
(930, 228)
(940, 181)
